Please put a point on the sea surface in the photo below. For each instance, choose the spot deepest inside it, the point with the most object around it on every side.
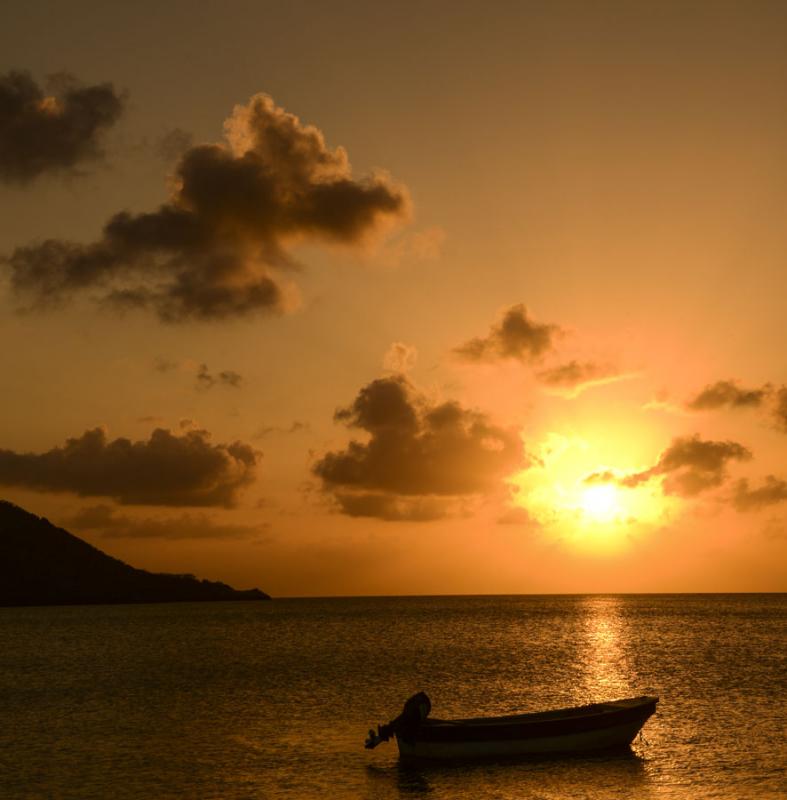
(273, 700)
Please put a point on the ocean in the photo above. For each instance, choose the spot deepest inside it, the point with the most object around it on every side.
(273, 700)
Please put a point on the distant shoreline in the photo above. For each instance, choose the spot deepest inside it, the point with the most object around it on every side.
(43, 565)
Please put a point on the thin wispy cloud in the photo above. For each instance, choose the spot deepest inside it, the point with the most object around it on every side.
(108, 522)
(574, 377)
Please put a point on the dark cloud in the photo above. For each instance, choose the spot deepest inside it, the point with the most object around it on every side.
(419, 456)
(516, 336)
(689, 466)
(780, 409)
(225, 378)
(105, 520)
(167, 470)
(728, 394)
(218, 247)
(576, 373)
(773, 490)
(392, 508)
(47, 133)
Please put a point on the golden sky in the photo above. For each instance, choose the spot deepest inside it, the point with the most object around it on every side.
(351, 298)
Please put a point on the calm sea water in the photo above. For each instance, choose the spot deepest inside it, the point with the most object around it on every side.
(273, 700)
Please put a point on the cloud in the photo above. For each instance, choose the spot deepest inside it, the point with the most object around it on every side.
(49, 133)
(773, 490)
(573, 377)
(164, 365)
(173, 144)
(392, 508)
(414, 247)
(516, 515)
(728, 393)
(219, 247)
(400, 358)
(606, 476)
(419, 458)
(226, 377)
(167, 470)
(689, 466)
(516, 336)
(296, 426)
(573, 373)
(105, 520)
(780, 409)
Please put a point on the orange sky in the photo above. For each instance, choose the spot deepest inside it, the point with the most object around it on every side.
(427, 298)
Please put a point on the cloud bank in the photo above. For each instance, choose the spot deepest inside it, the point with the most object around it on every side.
(516, 337)
(105, 520)
(44, 133)
(166, 470)
(218, 247)
(419, 458)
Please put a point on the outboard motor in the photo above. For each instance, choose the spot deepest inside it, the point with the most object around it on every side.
(415, 711)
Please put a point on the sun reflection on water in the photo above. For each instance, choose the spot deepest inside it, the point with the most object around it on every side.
(607, 672)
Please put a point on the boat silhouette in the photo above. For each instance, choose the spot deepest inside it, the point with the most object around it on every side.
(580, 729)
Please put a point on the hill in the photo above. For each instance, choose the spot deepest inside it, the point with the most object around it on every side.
(41, 564)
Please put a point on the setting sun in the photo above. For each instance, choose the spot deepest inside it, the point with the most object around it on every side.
(600, 503)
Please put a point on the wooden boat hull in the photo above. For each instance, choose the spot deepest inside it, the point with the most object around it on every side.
(586, 729)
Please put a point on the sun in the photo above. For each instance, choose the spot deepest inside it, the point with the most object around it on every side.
(600, 503)
(572, 491)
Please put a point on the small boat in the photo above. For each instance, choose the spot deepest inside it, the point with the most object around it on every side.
(566, 731)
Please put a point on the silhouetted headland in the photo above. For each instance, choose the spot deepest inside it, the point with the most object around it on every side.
(41, 564)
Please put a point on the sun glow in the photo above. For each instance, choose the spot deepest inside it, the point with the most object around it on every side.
(597, 518)
(600, 503)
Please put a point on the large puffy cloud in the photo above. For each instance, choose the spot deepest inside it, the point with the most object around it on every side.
(516, 336)
(420, 457)
(773, 490)
(218, 247)
(730, 394)
(167, 470)
(105, 520)
(689, 466)
(45, 133)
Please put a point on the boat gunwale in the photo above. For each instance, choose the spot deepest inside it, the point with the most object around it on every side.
(573, 713)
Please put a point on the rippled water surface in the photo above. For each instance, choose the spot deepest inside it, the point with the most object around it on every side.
(273, 700)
